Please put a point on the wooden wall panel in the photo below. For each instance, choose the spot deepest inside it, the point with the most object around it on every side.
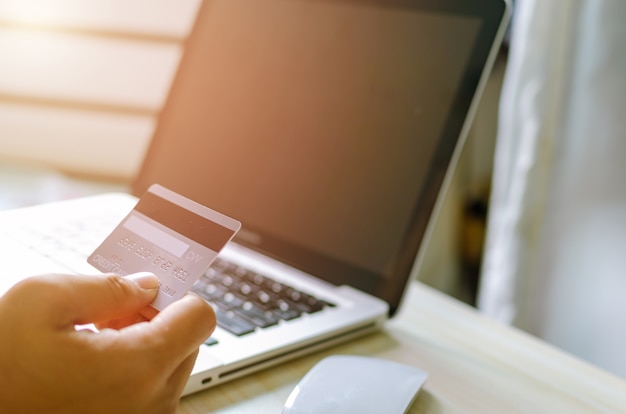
(81, 81)
(71, 68)
(169, 18)
(110, 145)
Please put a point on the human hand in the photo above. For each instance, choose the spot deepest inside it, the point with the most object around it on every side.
(132, 365)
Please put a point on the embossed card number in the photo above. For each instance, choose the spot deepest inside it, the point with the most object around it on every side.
(169, 235)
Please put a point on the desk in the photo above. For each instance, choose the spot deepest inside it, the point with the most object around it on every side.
(475, 366)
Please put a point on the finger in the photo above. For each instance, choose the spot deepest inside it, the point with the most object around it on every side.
(143, 315)
(76, 299)
(148, 313)
(180, 376)
(179, 329)
(121, 323)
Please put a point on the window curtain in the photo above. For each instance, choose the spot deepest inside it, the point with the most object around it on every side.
(555, 252)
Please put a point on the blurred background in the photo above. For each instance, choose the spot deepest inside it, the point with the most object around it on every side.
(533, 227)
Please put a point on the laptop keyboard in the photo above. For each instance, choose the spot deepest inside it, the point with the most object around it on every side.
(245, 300)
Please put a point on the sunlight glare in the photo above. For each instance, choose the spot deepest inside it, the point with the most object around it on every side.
(33, 12)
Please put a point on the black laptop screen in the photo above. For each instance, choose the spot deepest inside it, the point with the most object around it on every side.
(325, 127)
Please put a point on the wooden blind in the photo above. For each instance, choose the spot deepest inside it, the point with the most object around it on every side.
(82, 81)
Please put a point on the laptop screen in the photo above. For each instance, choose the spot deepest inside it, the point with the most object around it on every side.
(326, 127)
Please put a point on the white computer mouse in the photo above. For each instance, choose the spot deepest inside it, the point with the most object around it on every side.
(356, 384)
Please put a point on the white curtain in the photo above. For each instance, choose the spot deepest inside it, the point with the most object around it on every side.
(555, 258)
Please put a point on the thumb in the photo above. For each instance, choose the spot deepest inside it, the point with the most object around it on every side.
(92, 299)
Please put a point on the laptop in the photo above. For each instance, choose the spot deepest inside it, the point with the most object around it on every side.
(329, 129)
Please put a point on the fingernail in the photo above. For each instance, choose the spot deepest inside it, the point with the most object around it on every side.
(145, 280)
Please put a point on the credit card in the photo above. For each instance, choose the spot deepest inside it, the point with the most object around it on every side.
(169, 235)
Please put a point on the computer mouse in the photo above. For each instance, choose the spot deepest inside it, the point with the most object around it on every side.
(356, 384)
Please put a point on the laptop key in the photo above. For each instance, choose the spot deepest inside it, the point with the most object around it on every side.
(211, 341)
(257, 316)
(264, 298)
(255, 278)
(286, 311)
(233, 323)
(286, 314)
(209, 292)
(228, 301)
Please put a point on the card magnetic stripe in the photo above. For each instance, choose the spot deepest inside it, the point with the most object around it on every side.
(185, 222)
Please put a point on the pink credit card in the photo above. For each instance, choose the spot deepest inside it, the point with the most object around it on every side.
(169, 235)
